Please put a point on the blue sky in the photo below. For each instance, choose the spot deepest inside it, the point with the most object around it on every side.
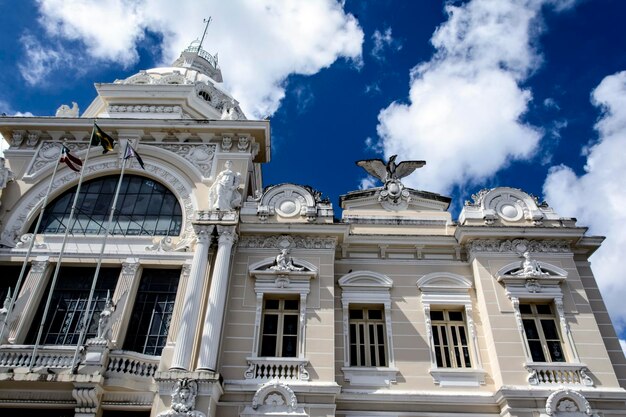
(522, 93)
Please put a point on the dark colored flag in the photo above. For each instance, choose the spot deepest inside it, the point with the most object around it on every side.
(100, 138)
(131, 152)
(70, 160)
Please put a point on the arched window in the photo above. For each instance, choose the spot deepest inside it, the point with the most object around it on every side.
(144, 207)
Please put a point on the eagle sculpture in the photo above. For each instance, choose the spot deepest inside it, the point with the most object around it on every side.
(389, 171)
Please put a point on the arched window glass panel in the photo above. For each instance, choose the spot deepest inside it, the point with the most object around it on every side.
(144, 207)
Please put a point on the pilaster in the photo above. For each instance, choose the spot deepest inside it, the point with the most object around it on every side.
(28, 299)
(123, 299)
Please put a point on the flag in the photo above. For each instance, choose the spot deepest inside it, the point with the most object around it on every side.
(98, 137)
(70, 160)
(131, 152)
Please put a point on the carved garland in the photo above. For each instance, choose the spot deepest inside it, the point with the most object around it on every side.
(287, 242)
(518, 245)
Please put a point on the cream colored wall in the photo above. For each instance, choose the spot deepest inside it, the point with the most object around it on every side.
(410, 343)
(503, 339)
(239, 327)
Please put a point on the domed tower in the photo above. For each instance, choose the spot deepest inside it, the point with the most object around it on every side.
(171, 218)
(188, 89)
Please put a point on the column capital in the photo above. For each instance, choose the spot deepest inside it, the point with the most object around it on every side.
(203, 232)
(130, 266)
(227, 235)
(40, 264)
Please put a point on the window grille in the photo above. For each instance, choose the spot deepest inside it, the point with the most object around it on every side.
(144, 207)
(69, 303)
(152, 312)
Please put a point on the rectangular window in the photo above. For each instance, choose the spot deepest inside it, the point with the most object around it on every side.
(279, 331)
(542, 332)
(69, 303)
(367, 336)
(450, 339)
(152, 311)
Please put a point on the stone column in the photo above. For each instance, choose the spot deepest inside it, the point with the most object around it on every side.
(27, 302)
(212, 330)
(193, 298)
(125, 290)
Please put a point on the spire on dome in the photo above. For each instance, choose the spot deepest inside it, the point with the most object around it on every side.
(196, 58)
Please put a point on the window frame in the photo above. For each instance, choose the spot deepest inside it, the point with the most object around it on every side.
(448, 333)
(366, 289)
(131, 311)
(367, 322)
(272, 284)
(537, 319)
(451, 292)
(281, 312)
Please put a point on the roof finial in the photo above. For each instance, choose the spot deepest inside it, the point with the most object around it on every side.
(207, 21)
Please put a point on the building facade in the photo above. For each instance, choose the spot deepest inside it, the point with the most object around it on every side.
(217, 296)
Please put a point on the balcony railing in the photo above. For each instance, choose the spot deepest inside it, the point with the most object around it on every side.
(124, 363)
(290, 369)
(19, 356)
(555, 373)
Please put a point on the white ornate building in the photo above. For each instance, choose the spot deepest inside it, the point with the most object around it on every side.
(219, 297)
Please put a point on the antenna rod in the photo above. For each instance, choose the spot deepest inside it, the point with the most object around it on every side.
(207, 21)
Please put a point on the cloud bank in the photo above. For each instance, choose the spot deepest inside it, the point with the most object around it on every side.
(597, 198)
(466, 105)
(260, 42)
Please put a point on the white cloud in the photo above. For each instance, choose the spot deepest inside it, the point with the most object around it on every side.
(623, 344)
(382, 41)
(260, 42)
(597, 197)
(40, 60)
(465, 104)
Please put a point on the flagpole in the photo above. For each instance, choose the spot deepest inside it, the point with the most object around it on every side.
(31, 244)
(87, 316)
(60, 258)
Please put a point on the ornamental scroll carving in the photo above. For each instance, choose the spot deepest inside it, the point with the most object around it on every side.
(518, 246)
(287, 242)
(49, 152)
(200, 155)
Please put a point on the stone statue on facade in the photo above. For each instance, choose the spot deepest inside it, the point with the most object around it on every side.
(284, 262)
(530, 268)
(393, 196)
(66, 111)
(104, 322)
(6, 176)
(183, 400)
(224, 193)
(390, 171)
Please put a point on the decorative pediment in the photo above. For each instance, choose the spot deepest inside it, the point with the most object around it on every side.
(444, 288)
(504, 205)
(365, 286)
(531, 276)
(283, 274)
(365, 279)
(289, 203)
